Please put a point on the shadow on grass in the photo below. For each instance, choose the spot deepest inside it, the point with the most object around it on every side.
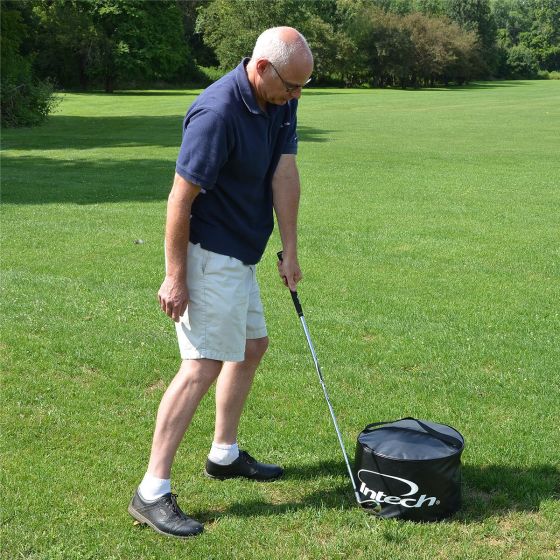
(310, 134)
(498, 489)
(133, 175)
(328, 90)
(465, 87)
(488, 491)
(476, 86)
(86, 133)
(40, 180)
(194, 90)
(185, 92)
(129, 132)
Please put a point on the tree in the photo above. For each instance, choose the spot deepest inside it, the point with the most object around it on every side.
(25, 100)
(522, 63)
(111, 41)
(543, 39)
(442, 51)
(431, 8)
(231, 27)
(411, 50)
(64, 41)
(512, 17)
(383, 50)
(528, 36)
(202, 54)
(137, 40)
(475, 15)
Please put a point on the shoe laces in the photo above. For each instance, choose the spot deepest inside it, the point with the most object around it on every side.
(247, 457)
(172, 501)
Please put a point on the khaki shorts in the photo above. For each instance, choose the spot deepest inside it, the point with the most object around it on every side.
(224, 308)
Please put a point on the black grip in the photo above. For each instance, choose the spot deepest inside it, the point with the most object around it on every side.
(297, 304)
(294, 295)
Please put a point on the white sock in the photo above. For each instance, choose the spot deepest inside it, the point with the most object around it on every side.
(223, 454)
(151, 488)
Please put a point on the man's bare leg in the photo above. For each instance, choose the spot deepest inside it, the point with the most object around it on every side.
(233, 386)
(177, 409)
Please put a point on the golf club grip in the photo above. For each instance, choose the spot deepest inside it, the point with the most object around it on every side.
(297, 304)
(294, 295)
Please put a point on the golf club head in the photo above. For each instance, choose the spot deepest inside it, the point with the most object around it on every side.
(371, 507)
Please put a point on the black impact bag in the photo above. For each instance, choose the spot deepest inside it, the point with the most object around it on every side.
(409, 469)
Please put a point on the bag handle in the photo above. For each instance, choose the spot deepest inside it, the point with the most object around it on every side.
(451, 440)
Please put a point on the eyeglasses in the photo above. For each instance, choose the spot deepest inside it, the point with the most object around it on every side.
(290, 88)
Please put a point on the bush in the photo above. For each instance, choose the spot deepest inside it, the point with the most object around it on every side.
(546, 75)
(210, 73)
(28, 103)
(521, 63)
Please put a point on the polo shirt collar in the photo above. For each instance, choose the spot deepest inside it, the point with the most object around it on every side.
(245, 89)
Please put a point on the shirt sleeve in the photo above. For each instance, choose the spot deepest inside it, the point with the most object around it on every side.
(204, 149)
(291, 142)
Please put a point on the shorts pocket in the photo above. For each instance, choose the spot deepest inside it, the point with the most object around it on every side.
(204, 260)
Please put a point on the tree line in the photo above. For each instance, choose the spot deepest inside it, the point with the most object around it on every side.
(108, 44)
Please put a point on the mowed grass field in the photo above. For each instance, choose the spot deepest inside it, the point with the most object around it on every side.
(430, 246)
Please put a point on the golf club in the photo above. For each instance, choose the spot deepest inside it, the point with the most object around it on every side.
(372, 503)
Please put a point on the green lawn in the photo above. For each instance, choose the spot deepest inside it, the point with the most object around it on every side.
(430, 245)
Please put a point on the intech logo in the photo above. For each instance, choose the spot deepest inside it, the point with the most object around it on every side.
(380, 497)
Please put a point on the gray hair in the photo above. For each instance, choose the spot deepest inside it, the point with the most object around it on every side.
(270, 46)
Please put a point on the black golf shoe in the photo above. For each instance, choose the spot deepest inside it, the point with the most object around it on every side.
(164, 516)
(244, 466)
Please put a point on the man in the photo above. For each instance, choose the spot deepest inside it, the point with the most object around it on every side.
(236, 164)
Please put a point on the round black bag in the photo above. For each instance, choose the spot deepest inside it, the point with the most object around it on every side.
(409, 469)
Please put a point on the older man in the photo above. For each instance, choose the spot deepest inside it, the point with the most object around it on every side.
(236, 164)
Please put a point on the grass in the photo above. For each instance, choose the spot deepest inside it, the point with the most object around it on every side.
(429, 231)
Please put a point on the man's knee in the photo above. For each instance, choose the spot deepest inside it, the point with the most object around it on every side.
(202, 371)
(255, 348)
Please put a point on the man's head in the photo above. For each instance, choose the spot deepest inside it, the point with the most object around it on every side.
(280, 66)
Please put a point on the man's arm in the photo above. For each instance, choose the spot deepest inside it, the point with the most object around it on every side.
(173, 294)
(285, 192)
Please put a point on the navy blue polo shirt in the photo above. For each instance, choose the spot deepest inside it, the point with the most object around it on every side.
(231, 149)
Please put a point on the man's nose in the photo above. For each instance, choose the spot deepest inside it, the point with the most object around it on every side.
(296, 93)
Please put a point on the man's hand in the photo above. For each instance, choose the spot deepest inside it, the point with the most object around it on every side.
(173, 297)
(289, 271)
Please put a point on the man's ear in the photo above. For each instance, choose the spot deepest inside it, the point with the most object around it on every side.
(262, 65)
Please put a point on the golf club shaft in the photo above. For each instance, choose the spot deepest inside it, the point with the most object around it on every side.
(299, 310)
(322, 381)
